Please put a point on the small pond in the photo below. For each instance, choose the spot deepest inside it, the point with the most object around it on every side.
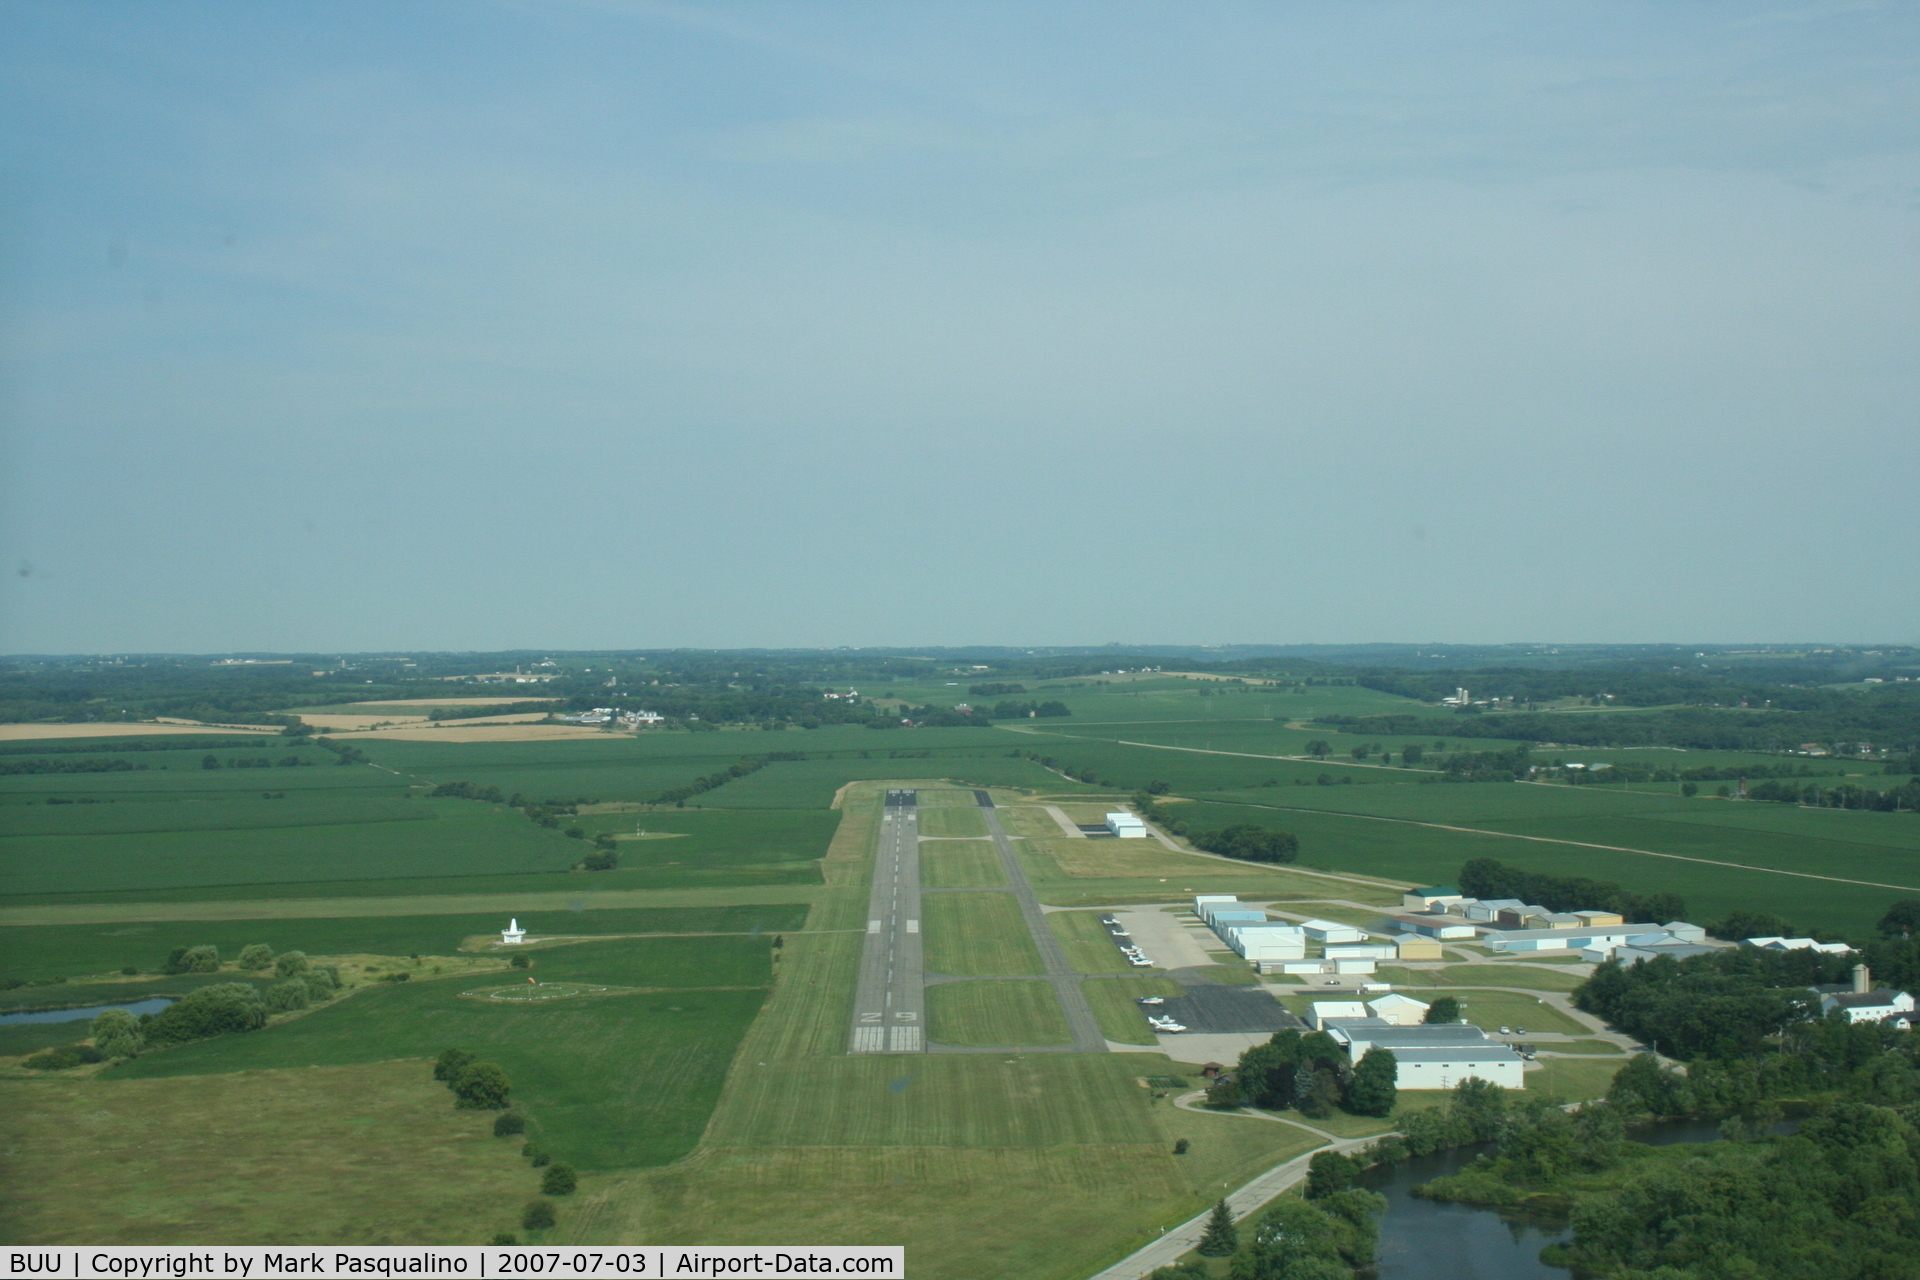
(153, 1004)
(1431, 1240)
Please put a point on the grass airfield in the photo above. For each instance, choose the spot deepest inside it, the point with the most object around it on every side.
(707, 1097)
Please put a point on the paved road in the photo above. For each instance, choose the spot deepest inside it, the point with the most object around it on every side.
(1166, 1251)
(1066, 983)
(889, 1006)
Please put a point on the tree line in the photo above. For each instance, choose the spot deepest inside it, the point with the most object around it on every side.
(1490, 878)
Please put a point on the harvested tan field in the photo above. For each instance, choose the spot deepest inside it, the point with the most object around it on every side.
(27, 732)
(347, 724)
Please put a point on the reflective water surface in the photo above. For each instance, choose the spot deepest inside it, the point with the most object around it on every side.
(152, 1005)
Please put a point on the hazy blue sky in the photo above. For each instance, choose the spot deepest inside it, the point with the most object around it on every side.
(606, 323)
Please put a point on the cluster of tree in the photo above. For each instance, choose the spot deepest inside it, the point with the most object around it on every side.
(605, 855)
(1487, 766)
(1725, 1004)
(1845, 796)
(1489, 878)
(1028, 710)
(1310, 1073)
(1768, 718)
(344, 753)
(477, 713)
(211, 761)
(1249, 842)
(678, 796)
(88, 764)
(468, 791)
(65, 1058)
(1836, 1197)
(223, 1008)
(1291, 1243)
(476, 1085)
(548, 813)
(1330, 1232)
(931, 717)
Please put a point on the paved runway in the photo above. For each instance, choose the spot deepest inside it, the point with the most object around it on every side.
(889, 1006)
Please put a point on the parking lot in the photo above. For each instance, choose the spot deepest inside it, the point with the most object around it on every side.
(1209, 1008)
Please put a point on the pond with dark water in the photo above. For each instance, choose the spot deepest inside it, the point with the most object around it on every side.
(153, 1004)
(1433, 1240)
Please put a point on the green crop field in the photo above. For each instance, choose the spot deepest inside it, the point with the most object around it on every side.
(58, 951)
(995, 1013)
(1089, 947)
(716, 1101)
(960, 864)
(609, 1082)
(450, 837)
(978, 934)
(1116, 1004)
(710, 838)
(811, 784)
(1405, 849)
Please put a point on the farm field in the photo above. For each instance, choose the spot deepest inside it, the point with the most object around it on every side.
(715, 1101)
(1403, 848)
(1020, 1012)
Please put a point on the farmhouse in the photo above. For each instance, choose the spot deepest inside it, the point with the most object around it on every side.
(1863, 1002)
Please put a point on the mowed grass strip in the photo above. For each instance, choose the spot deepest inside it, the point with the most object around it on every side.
(951, 821)
(960, 864)
(1089, 947)
(980, 935)
(963, 1213)
(1224, 1151)
(942, 1100)
(996, 1013)
(1116, 1005)
(1491, 1010)
(1482, 975)
(366, 1154)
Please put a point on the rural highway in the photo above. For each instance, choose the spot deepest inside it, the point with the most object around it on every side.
(889, 1004)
